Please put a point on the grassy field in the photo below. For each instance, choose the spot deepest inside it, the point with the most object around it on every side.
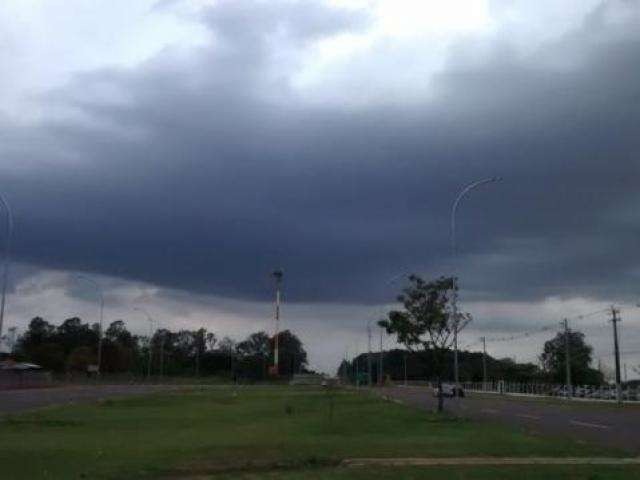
(264, 432)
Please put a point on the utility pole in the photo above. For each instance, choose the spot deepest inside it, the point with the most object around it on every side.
(277, 275)
(567, 356)
(161, 354)
(369, 362)
(454, 307)
(484, 364)
(615, 319)
(151, 323)
(405, 369)
(198, 359)
(380, 366)
(150, 350)
(101, 295)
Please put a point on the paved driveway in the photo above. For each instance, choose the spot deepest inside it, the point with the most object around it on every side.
(604, 424)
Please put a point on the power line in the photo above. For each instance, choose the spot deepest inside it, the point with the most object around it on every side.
(528, 333)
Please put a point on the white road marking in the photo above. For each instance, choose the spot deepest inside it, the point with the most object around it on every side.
(590, 425)
(531, 417)
(489, 410)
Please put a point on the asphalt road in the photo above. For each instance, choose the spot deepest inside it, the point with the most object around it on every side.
(602, 424)
(13, 401)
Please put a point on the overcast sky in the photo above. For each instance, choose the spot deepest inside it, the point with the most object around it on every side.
(178, 151)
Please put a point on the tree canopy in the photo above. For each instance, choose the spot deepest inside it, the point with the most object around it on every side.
(427, 320)
(72, 346)
(553, 359)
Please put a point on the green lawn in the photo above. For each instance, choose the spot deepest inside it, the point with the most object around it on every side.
(261, 432)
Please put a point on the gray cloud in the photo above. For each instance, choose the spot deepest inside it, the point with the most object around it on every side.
(204, 169)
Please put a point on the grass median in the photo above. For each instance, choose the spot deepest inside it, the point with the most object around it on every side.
(258, 432)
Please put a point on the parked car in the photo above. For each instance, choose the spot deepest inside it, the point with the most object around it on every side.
(448, 390)
(595, 394)
(561, 391)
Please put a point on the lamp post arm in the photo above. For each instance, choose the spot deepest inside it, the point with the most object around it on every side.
(463, 193)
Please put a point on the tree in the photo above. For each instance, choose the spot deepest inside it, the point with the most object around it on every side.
(120, 348)
(553, 359)
(79, 359)
(210, 339)
(51, 356)
(292, 356)
(39, 345)
(39, 332)
(73, 334)
(118, 333)
(427, 321)
(255, 345)
(254, 354)
(227, 345)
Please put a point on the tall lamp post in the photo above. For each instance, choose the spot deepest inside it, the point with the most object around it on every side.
(277, 275)
(101, 295)
(151, 322)
(7, 253)
(454, 302)
(369, 360)
(369, 337)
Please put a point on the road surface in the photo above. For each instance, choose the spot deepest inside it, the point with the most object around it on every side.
(602, 424)
(14, 401)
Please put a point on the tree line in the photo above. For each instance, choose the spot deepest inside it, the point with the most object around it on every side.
(419, 366)
(72, 347)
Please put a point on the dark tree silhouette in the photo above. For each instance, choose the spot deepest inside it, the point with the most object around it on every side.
(553, 359)
(427, 321)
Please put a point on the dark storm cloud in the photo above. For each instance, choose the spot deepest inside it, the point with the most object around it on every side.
(203, 170)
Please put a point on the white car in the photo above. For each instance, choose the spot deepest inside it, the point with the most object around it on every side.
(448, 390)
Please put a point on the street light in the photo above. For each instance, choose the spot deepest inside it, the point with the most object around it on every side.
(369, 333)
(454, 210)
(277, 275)
(101, 295)
(151, 322)
(7, 252)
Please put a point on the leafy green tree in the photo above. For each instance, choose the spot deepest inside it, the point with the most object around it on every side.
(256, 344)
(427, 321)
(39, 332)
(50, 356)
(120, 350)
(79, 359)
(227, 345)
(292, 356)
(254, 353)
(73, 334)
(118, 333)
(553, 359)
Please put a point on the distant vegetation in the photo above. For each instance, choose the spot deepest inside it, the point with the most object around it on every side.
(420, 365)
(426, 326)
(73, 345)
